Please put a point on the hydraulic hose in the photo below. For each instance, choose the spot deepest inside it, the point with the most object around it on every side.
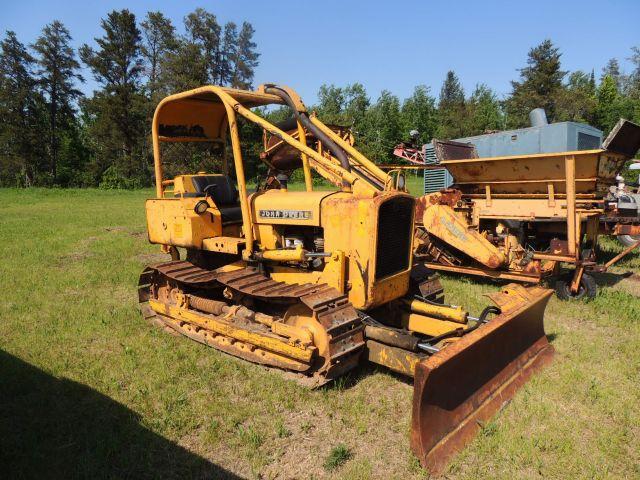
(430, 347)
(333, 147)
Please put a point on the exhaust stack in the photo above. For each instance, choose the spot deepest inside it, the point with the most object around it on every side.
(538, 117)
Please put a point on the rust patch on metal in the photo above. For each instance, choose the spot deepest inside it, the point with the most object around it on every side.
(450, 150)
(621, 229)
(559, 247)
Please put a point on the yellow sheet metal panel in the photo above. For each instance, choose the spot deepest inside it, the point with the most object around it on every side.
(192, 119)
(595, 170)
(350, 225)
(172, 221)
(442, 222)
(223, 244)
(278, 207)
(388, 289)
(396, 359)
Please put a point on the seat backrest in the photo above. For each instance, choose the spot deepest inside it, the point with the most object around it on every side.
(225, 192)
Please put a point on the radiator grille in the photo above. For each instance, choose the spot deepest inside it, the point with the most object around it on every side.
(587, 142)
(395, 229)
(435, 180)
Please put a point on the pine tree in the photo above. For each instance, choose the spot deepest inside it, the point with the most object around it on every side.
(21, 110)
(612, 69)
(203, 30)
(57, 75)
(540, 85)
(419, 113)
(159, 39)
(246, 58)
(484, 113)
(451, 108)
(577, 102)
(184, 69)
(611, 106)
(118, 110)
(229, 53)
(633, 90)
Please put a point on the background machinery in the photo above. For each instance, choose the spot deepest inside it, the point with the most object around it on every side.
(526, 217)
(315, 282)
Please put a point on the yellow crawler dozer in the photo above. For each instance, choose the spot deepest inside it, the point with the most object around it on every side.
(316, 282)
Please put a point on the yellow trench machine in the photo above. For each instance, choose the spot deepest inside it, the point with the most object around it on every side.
(317, 282)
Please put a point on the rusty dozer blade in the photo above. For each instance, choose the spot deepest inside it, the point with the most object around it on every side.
(465, 383)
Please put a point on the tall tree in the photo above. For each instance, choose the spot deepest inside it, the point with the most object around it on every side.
(540, 85)
(634, 77)
(483, 111)
(356, 103)
(419, 113)
(577, 102)
(229, 52)
(57, 74)
(185, 68)
(331, 103)
(203, 30)
(633, 89)
(381, 128)
(118, 109)
(451, 108)
(611, 105)
(246, 58)
(159, 39)
(612, 69)
(21, 112)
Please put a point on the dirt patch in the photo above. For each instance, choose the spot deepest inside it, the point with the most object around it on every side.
(80, 253)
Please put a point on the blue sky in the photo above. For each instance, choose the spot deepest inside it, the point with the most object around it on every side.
(382, 44)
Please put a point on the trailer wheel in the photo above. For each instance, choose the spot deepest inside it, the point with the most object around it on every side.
(587, 288)
(628, 240)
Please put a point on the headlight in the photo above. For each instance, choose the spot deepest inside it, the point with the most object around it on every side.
(401, 181)
(201, 207)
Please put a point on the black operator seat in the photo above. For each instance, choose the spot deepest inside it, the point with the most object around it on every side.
(224, 195)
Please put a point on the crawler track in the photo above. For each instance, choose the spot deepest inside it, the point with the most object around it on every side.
(330, 308)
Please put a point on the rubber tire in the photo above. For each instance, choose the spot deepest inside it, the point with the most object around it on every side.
(588, 288)
(628, 240)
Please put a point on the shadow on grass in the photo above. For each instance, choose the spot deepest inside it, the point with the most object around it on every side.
(605, 254)
(57, 428)
(608, 279)
(359, 373)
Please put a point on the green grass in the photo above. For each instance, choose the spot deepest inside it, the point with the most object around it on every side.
(337, 457)
(88, 389)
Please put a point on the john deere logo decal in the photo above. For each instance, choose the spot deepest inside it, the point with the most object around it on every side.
(286, 214)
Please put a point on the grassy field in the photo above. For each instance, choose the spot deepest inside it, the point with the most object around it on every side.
(88, 389)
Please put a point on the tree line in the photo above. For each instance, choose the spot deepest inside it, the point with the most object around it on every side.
(54, 135)
(566, 96)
